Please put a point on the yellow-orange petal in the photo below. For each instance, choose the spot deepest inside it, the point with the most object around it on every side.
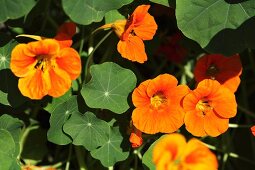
(140, 97)
(162, 83)
(22, 61)
(222, 99)
(167, 150)
(34, 85)
(44, 47)
(69, 60)
(215, 125)
(194, 123)
(132, 49)
(198, 157)
(60, 82)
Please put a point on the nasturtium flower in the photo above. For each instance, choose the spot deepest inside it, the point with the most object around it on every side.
(172, 152)
(226, 70)
(208, 108)
(135, 138)
(65, 33)
(253, 130)
(158, 105)
(131, 32)
(44, 68)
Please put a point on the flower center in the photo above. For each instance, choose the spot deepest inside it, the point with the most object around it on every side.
(158, 99)
(212, 71)
(43, 61)
(204, 106)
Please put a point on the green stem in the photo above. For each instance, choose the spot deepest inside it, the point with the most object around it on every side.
(230, 154)
(69, 157)
(231, 125)
(91, 52)
(80, 155)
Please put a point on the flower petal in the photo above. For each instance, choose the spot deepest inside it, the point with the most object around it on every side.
(60, 82)
(140, 97)
(215, 125)
(198, 157)
(69, 60)
(44, 47)
(22, 61)
(65, 33)
(132, 49)
(194, 123)
(34, 85)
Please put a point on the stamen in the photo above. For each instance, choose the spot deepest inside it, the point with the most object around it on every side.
(158, 99)
(204, 106)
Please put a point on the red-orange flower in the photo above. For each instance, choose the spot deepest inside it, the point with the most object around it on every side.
(208, 108)
(65, 33)
(158, 105)
(226, 70)
(138, 27)
(172, 152)
(253, 130)
(44, 68)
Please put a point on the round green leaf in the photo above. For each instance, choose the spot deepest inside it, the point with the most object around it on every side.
(57, 119)
(13, 126)
(5, 54)
(86, 130)
(80, 11)
(15, 8)
(111, 152)
(112, 16)
(88, 11)
(7, 149)
(147, 158)
(200, 20)
(109, 87)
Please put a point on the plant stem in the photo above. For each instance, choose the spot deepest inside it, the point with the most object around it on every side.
(69, 157)
(246, 111)
(80, 157)
(91, 50)
(231, 125)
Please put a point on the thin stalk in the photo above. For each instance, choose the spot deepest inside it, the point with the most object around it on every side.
(246, 111)
(230, 154)
(232, 125)
(91, 52)
(69, 157)
(80, 155)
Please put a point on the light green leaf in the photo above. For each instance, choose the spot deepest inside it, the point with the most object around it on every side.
(200, 20)
(112, 16)
(7, 149)
(109, 87)
(58, 118)
(161, 2)
(88, 11)
(86, 130)
(147, 158)
(15, 8)
(111, 152)
(13, 126)
(5, 54)
(57, 101)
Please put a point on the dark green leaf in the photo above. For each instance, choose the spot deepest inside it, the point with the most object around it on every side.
(111, 152)
(161, 2)
(86, 130)
(109, 87)
(15, 8)
(57, 119)
(200, 20)
(5, 54)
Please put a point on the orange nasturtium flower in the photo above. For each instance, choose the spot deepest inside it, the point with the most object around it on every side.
(253, 130)
(172, 152)
(45, 67)
(226, 70)
(131, 32)
(158, 105)
(208, 108)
